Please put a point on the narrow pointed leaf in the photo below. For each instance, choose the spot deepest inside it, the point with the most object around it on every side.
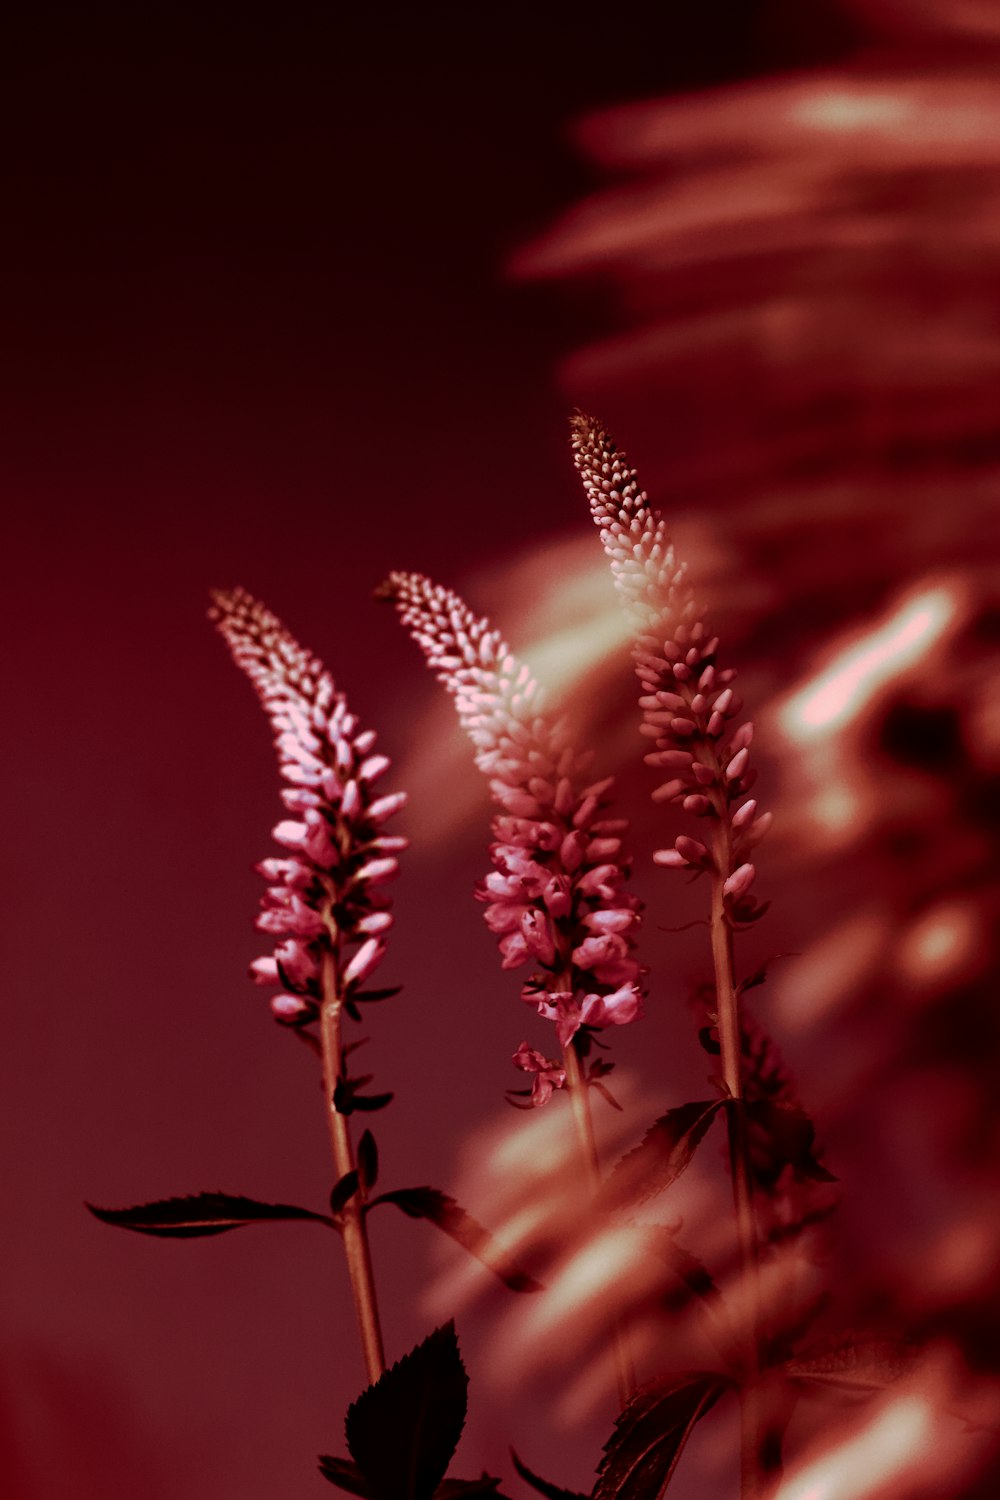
(641, 1455)
(550, 1491)
(367, 1161)
(465, 1489)
(344, 1190)
(441, 1209)
(403, 1430)
(200, 1214)
(789, 1136)
(345, 1474)
(662, 1155)
(857, 1363)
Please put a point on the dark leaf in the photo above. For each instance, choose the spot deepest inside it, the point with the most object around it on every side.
(459, 1489)
(344, 1474)
(385, 994)
(403, 1430)
(661, 1157)
(200, 1214)
(346, 1098)
(790, 1135)
(708, 1036)
(441, 1209)
(550, 1491)
(854, 1362)
(371, 1102)
(367, 1161)
(760, 975)
(641, 1455)
(344, 1191)
(606, 1093)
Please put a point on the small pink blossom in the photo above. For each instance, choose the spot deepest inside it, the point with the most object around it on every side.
(548, 1073)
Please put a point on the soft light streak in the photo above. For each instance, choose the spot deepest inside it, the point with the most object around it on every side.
(844, 688)
(892, 1442)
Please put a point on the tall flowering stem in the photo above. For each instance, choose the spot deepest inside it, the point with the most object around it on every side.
(556, 897)
(688, 705)
(325, 904)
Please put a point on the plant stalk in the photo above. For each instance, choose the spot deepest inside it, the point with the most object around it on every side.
(731, 1045)
(354, 1231)
(579, 1095)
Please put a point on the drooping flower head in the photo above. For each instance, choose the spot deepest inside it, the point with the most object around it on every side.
(687, 700)
(325, 904)
(557, 895)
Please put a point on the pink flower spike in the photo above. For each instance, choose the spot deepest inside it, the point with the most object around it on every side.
(367, 958)
(738, 765)
(694, 851)
(744, 815)
(326, 898)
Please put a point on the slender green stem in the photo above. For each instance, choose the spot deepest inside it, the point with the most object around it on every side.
(579, 1095)
(731, 1044)
(354, 1232)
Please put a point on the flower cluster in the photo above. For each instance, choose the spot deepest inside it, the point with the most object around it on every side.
(687, 700)
(557, 895)
(325, 904)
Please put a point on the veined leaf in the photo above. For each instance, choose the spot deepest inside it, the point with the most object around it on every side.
(661, 1156)
(641, 1455)
(200, 1214)
(441, 1209)
(403, 1430)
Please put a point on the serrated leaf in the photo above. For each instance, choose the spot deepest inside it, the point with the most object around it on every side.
(662, 1155)
(367, 1161)
(441, 1209)
(642, 1453)
(550, 1491)
(403, 1430)
(344, 1190)
(200, 1214)
(854, 1362)
(790, 1136)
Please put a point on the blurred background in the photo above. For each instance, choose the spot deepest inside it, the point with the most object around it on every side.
(291, 299)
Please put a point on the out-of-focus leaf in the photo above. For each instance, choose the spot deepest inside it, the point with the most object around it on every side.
(687, 1268)
(403, 1431)
(550, 1491)
(344, 1190)
(790, 1134)
(367, 1160)
(200, 1214)
(664, 1152)
(642, 1453)
(856, 1362)
(441, 1209)
(459, 1489)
